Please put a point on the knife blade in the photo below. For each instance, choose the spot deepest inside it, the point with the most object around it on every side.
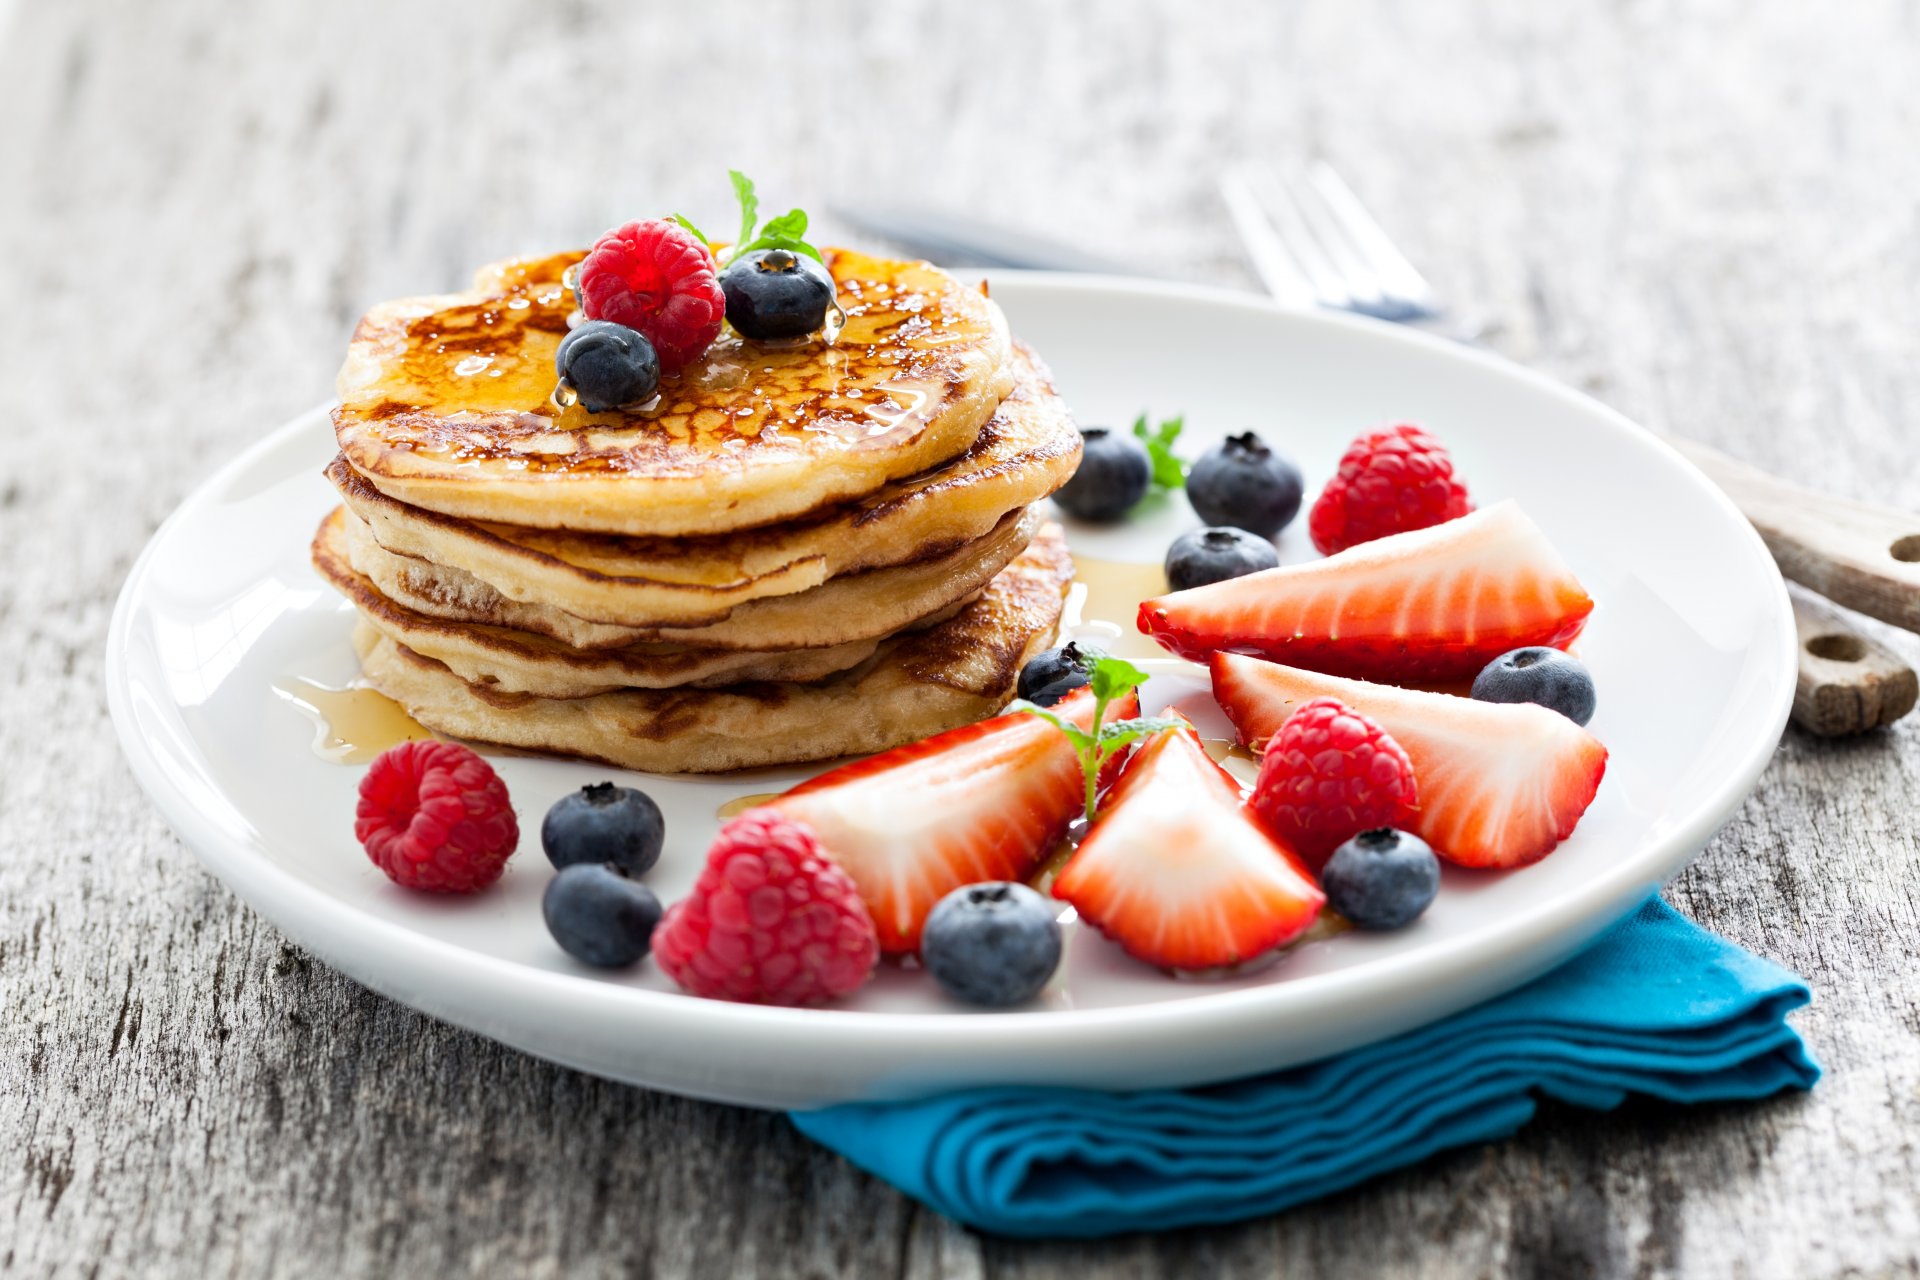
(963, 241)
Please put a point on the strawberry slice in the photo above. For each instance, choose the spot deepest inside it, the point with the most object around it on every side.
(1501, 783)
(1431, 605)
(1178, 874)
(986, 801)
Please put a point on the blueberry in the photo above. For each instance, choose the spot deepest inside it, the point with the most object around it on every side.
(1242, 483)
(604, 823)
(599, 916)
(994, 944)
(1381, 879)
(1051, 676)
(608, 365)
(1113, 475)
(1203, 556)
(776, 293)
(1555, 680)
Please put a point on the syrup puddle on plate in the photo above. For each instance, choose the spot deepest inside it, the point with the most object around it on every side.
(1103, 606)
(351, 725)
(740, 804)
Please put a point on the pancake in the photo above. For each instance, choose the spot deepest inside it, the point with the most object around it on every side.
(517, 661)
(860, 606)
(1028, 449)
(915, 686)
(444, 404)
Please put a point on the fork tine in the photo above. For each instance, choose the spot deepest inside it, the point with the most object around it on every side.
(1358, 278)
(1397, 278)
(1298, 241)
(1271, 261)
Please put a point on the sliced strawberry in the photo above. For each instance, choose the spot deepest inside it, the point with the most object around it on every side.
(1501, 783)
(1176, 872)
(987, 801)
(1435, 604)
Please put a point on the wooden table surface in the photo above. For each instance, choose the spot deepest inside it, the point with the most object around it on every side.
(1707, 215)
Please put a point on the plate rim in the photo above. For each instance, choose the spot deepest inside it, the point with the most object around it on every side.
(1447, 965)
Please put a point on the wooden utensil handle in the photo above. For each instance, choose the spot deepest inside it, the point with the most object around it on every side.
(1854, 553)
(1847, 682)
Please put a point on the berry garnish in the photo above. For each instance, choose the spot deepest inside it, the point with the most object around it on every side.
(987, 801)
(656, 277)
(776, 293)
(1201, 557)
(1242, 483)
(1381, 879)
(435, 816)
(1113, 475)
(1557, 681)
(1052, 675)
(1177, 873)
(771, 920)
(604, 823)
(1390, 481)
(1500, 783)
(599, 916)
(1329, 774)
(993, 944)
(607, 365)
(1100, 741)
(1435, 604)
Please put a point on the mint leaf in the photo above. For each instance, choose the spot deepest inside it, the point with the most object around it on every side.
(1112, 677)
(1121, 732)
(791, 225)
(698, 234)
(1108, 678)
(1080, 738)
(788, 231)
(783, 232)
(749, 205)
(1168, 471)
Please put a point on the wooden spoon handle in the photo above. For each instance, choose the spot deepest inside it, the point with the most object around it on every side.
(1847, 682)
(1854, 553)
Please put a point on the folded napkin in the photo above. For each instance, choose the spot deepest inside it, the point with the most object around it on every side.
(1658, 1006)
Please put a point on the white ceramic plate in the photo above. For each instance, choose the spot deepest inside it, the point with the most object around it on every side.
(1691, 646)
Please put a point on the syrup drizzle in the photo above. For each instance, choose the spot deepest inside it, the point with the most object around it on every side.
(352, 724)
(740, 804)
(1103, 609)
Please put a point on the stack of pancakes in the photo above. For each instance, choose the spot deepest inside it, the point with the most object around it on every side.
(799, 551)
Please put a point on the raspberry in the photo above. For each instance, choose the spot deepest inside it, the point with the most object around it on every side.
(1329, 774)
(1392, 480)
(435, 816)
(658, 278)
(772, 920)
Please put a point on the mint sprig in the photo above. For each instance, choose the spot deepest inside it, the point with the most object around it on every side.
(1110, 679)
(786, 231)
(1169, 472)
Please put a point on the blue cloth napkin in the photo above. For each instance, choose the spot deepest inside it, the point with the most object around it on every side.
(1658, 1006)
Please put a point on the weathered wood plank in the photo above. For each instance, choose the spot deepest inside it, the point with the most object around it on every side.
(1702, 213)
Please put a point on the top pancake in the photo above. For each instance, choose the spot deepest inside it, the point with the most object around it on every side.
(444, 404)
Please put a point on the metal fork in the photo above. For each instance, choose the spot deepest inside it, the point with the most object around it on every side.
(1313, 243)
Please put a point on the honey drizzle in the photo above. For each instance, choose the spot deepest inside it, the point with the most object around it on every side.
(740, 804)
(353, 724)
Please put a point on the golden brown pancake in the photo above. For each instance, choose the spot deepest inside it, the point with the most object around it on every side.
(445, 405)
(915, 686)
(1028, 449)
(858, 606)
(516, 661)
